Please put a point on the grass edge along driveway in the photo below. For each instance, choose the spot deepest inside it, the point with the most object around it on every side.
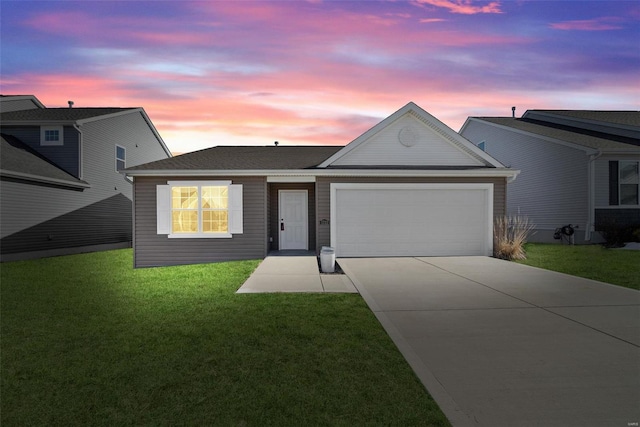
(616, 266)
(88, 340)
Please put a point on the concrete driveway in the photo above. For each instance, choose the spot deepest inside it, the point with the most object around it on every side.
(502, 344)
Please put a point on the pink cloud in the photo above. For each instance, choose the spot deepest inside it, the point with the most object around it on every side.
(431, 20)
(597, 24)
(465, 7)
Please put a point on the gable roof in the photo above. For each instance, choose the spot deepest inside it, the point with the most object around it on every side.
(411, 137)
(19, 161)
(274, 161)
(557, 133)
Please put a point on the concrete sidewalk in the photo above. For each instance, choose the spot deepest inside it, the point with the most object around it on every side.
(502, 344)
(294, 274)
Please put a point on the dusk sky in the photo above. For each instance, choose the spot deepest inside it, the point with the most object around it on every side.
(319, 72)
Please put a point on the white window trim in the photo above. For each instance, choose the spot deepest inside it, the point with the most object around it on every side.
(117, 158)
(60, 140)
(234, 209)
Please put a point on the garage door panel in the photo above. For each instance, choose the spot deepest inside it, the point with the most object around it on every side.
(429, 220)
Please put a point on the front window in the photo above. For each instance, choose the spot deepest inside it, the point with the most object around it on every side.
(629, 182)
(199, 209)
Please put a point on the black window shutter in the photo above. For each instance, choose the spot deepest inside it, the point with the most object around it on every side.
(613, 183)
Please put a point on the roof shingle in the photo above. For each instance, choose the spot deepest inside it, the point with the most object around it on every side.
(246, 158)
(58, 114)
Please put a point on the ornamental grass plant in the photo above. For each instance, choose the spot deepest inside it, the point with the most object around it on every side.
(509, 236)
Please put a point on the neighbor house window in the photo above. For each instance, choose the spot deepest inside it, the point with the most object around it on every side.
(199, 209)
(121, 156)
(629, 183)
(624, 183)
(481, 145)
(51, 135)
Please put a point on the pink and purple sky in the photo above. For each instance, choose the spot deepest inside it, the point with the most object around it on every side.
(319, 72)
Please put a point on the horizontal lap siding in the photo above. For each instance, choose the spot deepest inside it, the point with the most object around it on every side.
(552, 187)
(153, 250)
(323, 186)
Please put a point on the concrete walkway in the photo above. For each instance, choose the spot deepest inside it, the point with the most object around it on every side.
(294, 274)
(503, 344)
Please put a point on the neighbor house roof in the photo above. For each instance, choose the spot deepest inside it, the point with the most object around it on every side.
(19, 161)
(245, 157)
(74, 115)
(59, 114)
(624, 118)
(584, 138)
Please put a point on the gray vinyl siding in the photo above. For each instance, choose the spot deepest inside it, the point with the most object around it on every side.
(40, 217)
(152, 249)
(99, 140)
(323, 189)
(65, 156)
(274, 232)
(552, 188)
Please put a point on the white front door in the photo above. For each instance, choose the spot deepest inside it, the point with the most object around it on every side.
(294, 222)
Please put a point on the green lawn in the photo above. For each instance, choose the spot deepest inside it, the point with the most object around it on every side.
(88, 340)
(618, 266)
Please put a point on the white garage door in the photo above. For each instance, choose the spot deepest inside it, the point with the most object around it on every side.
(370, 220)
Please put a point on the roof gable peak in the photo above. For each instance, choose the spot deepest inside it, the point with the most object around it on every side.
(410, 137)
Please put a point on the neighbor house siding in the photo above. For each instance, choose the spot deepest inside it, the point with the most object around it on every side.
(552, 187)
(323, 188)
(152, 249)
(274, 223)
(99, 215)
(65, 156)
(99, 140)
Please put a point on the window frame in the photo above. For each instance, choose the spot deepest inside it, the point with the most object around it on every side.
(200, 233)
(118, 159)
(51, 143)
(621, 183)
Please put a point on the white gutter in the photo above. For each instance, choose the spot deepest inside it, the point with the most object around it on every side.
(591, 195)
(464, 173)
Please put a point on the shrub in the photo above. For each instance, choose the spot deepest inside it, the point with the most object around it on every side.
(616, 235)
(509, 236)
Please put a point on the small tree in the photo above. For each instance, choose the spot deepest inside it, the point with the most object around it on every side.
(509, 236)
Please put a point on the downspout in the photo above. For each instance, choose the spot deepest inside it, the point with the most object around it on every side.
(591, 216)
(80, 165)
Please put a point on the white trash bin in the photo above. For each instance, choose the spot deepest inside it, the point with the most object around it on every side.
(328, 259)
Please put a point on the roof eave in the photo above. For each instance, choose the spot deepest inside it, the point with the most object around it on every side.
(44, 180)
(480, 172)
(587, 150)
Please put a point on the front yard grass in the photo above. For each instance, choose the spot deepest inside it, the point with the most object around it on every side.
(617, 266)
(88, 340)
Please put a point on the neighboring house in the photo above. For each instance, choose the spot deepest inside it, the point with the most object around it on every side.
(578, 167)
(410, 186)
(61, 189)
